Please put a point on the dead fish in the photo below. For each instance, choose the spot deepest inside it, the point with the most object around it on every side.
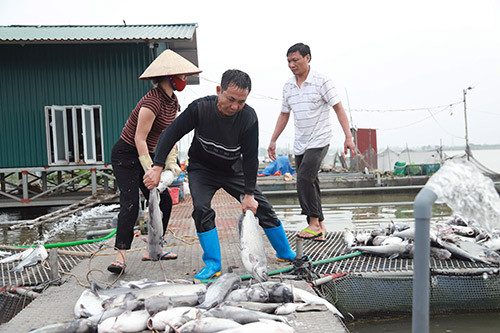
(38, 254)
(249, 294)
(464, 231)
(255, 306)
(157, 303)
(170, 289)
(349, 239)
(363, 238)
(493, 243)
(77, 326)
(461, 253)
(301, 295)
(17, 256)
(398, 227)
(129, 321)
(155, 225)
(174, 317)
(252, 249)
(208, 325)
(441, 254)
(219, 289)
(5, 253)
(391, 251)
(243, 316)
(88, 304)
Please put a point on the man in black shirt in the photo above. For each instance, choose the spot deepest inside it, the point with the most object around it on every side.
(223, 154)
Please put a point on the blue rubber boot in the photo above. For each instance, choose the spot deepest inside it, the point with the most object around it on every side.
(209, 241)
(279, 241)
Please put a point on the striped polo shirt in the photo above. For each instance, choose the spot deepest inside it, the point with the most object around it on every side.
(165, 109)
(311, 105)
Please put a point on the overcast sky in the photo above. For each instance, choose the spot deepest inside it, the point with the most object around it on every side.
(386, 58)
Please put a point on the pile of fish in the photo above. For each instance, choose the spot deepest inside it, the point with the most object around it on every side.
(455, 237)
(29, 257)
(182, 306)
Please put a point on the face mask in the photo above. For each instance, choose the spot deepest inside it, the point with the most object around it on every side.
(177, 83)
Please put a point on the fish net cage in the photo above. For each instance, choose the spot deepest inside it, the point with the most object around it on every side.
(379, 295)
(11, 305)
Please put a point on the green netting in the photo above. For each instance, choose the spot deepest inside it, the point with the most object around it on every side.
(373, 296)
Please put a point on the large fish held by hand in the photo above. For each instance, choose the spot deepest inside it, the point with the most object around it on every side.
(155, 225)
(252, 246)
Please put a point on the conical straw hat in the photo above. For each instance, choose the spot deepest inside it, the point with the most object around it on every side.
(169, 63)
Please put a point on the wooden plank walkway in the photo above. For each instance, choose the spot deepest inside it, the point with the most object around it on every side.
(56, 303)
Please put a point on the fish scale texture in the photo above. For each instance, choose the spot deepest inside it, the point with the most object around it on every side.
(56, 303)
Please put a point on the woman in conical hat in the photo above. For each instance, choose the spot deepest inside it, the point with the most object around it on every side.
(132, 154)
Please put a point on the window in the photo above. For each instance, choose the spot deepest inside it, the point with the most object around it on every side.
(74, 134)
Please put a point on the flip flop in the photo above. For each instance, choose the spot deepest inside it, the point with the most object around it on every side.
(163, 257)
(117, 267)
(315, 235)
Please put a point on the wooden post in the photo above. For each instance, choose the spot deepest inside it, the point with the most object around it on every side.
(54, 265)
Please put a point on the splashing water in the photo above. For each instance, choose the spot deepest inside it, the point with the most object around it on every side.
(467, 192)
(75, 219)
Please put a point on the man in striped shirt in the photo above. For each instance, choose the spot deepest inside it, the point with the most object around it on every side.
(310, 96)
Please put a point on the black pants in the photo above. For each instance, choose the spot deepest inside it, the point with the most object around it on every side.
(203, 183)
(308, 165)
(129, 173)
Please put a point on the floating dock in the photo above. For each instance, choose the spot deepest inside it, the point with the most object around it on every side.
(55, 303)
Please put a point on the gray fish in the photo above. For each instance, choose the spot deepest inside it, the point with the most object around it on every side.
(155, 304)
(464, 231)
(155, 225)
(493, 243)
(349, 239)
(255, 306)
(77, 326)
(301, 295)
(219, 289)
(132, 305)
(391, 251)
(128, 321)
(398, 227)
(252, 246)
(278, 292)
(461, 253)
(165, 289)
(249, 294)
(17, 256)
(38, 254)
(363, 238)
(88, 304)
(480, 251)
(118, 300)
(174, 317)
(208, 325)
(441, 254)
(243, 316)
(5, 253)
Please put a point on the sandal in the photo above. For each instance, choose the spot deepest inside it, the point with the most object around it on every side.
(163, 257)
(117, 267)
(315, 235)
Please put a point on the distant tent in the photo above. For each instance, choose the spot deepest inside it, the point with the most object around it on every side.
(278, 167)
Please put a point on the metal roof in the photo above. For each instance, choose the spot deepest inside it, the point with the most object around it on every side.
(93, 33)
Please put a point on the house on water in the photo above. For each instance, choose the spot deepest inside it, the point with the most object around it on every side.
(65, 95)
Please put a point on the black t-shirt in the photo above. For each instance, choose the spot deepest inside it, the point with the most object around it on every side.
(226, 145)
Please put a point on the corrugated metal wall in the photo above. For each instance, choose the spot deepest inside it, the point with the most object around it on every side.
(35, 76)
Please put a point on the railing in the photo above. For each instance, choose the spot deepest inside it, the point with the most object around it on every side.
(26, 186)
